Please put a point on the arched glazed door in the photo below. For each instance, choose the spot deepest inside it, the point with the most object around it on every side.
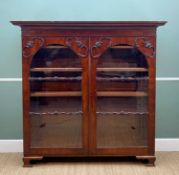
(120, 100)
(57, 101)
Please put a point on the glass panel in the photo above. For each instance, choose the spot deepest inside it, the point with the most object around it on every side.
(122, 98)
(55, 99)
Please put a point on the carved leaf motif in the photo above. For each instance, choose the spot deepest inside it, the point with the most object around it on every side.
(100, 46)
(32, 46)
(145, 45)
(78, 46)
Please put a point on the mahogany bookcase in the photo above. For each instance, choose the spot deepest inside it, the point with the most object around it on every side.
(88, 88)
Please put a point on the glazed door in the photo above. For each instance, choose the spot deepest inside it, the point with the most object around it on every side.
(58, 105)
(119, 103)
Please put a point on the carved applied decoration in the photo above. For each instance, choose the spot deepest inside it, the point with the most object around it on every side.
(98, 48)
(145, 45)
(78, 45)
(32, 46)
(142, 43)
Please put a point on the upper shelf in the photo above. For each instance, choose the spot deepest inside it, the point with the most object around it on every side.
(121, 94)
(122, 47)
(122, 69)
(53, 69)
(65, 47)
(55, 47)
(76, 69)
(56, 94)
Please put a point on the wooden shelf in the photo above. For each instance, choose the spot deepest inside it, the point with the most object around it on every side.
(132, 69)
(121, 113)
(121, 94)
(78, 93)
(122, 47)
(56, 113)
(56, 94)
(55, 78)
(121, 78)
(53, 69)
(55, 47)
(128, 69)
